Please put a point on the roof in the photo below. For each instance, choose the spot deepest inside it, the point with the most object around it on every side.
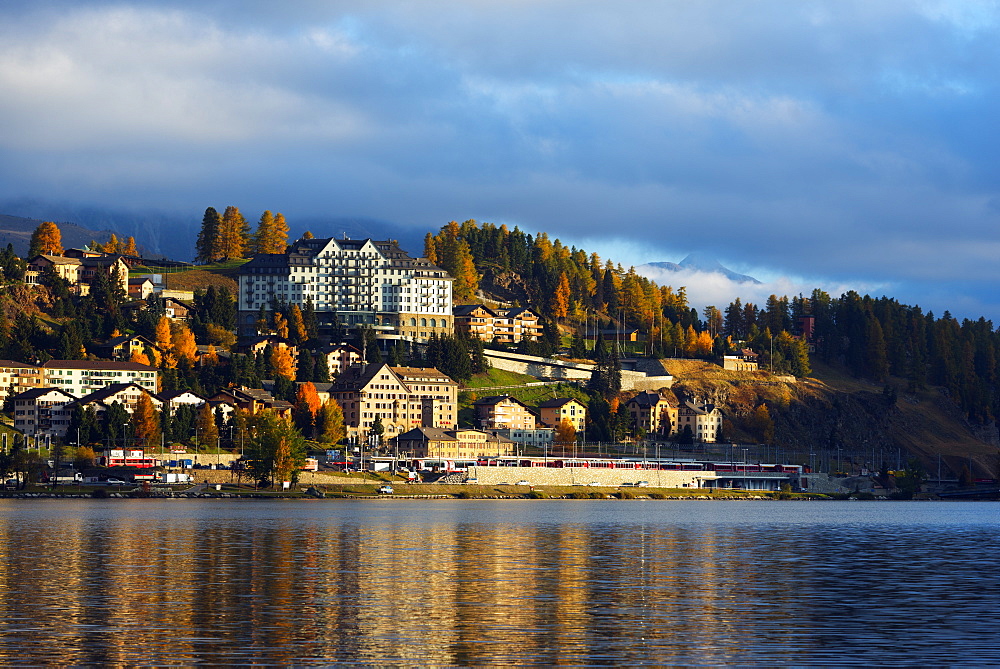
(468, 309)
(98, 364)
(358, 376)
(139, 280)
(497, 399)
(647, 398)
(125, 338)
(57, 260)
(422, 373)
(699, 408)
(35, 393)
(172, 395)
(428, 433)
(111, 390)
(558, 402)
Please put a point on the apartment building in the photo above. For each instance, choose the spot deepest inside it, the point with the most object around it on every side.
(42, 411)
(705, 420)
(652, 413)
(76, 377)
(353, 281)
(82, 377)
(402, 398)
(502, 412)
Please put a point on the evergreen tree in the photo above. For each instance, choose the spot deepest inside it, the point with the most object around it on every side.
(208, 247)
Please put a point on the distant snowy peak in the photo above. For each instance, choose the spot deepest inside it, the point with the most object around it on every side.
(702, 263)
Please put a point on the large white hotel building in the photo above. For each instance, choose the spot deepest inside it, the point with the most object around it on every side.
(358, 281)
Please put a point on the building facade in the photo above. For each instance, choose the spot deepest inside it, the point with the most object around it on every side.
(652, 413)
(505, 326)
(705, 420)
(503, 412)
(557, 410)
(353, 281)
(430, 442)
(401, 398)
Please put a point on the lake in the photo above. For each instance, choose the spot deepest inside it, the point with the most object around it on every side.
(474, 582)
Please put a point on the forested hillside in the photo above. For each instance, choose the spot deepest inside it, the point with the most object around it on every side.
(871, 338)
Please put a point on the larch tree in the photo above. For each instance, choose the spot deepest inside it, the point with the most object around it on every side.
(164, 341)
(234, 234)
(330, 422)
(297, 325)
(112, 245)
(129, 248)
(281, 362)
(264, 226)
(565, 432)
(307, 405)
(183, 343)
(206, 431)
(207, 248)
(145, 422)
(560, 299)
(45, 239)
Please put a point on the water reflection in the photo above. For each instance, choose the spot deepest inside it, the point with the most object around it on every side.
(161, 582)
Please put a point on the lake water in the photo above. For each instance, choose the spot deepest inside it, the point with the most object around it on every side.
(456, 582)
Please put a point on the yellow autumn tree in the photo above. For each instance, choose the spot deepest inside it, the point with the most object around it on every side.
(560, 300)
(145, 422)
(183, 343)
(45, 239)
(280, 326)
(207, 432)
(164, 341)
(296, 325)
(281, 362)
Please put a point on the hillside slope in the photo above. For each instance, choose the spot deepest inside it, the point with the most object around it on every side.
(831, 413)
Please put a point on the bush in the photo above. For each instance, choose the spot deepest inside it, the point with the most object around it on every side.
(465, 494)
(657, 495)
(625, 494)
(579, 495)
(534, 494)
(99, 493)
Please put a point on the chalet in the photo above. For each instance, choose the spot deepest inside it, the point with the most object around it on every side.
(339, 357)
(505, 326)
(124, 347)
(173, 400)
(251, 400)
(126, 394)
(743, 361)
(140, 287)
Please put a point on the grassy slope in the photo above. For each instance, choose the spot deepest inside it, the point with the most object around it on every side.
(220, 275)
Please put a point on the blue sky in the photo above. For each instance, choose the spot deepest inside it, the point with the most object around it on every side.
(835, 144)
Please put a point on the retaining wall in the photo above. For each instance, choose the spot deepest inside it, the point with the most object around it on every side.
(548, 368)
(584, 475)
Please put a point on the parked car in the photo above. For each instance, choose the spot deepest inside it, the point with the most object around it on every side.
(114, 481)
(523, 482)
(385, 490)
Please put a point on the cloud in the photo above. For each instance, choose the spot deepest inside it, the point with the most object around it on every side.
(851, 140)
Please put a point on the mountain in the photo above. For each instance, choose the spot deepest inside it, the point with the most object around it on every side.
(17, 231)
(701, 263)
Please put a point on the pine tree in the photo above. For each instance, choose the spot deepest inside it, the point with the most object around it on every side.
(46, 239)
(208, 246)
